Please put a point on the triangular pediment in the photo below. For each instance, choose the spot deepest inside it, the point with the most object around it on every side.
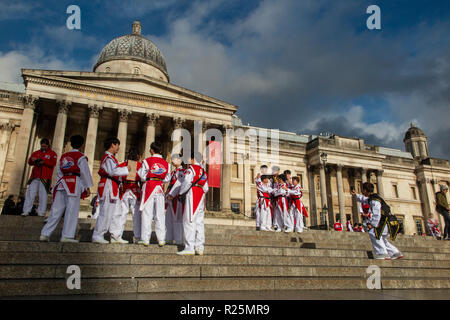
(129, 83)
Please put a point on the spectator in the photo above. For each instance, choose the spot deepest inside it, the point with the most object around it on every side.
(9, 207)
(443, 209)
(19, 205)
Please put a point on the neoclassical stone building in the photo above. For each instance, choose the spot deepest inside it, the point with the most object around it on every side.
(129, 94)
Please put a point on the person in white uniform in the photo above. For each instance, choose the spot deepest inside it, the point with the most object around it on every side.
(193, 190)
(74, 181)
(296, 208)
(152, 173)
(281, 215)
(174, 209)
(263, 204)
(379, 227)
(263, 171)
(109, 218)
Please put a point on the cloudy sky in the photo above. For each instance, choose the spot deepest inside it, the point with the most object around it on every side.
(307, 66)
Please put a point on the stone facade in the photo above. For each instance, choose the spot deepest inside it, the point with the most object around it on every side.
(132, 98)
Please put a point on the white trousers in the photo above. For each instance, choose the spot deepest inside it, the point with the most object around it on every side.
(174, 223)
(382, 246)
(278, 217)
(127, 203)
(154, 210)
(288, 220)
(265, 218)
(35, 187)
(257, 215)
(109, 219)
(194, 232)
(63, 205)
(298, 216)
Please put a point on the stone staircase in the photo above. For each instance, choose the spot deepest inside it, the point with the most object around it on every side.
(236, 258)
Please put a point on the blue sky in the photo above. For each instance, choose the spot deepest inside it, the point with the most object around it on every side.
(312, 65)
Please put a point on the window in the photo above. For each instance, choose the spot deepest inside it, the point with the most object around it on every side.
(235, 171)
(323, 219)
(400, 222)
(300, 177)
(235, 207)
(395, 190)
(419, 227)
(413, 192)
(252, 175)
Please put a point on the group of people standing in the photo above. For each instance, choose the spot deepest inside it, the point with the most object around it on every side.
(178, 212)
(279, 206)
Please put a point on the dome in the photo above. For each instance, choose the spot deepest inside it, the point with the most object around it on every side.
(413, 131)
(133, 47)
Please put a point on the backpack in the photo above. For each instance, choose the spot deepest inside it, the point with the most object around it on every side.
(387, 218)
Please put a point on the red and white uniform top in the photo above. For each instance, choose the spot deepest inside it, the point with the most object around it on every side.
(263, 191)
(338, 226)
(130, 187)
(295, 194)
(174, 180)
(110, 175)
(193, 174)
(45, 170)
(349, 227)
(73, 174)
(281, 197)
(153, 172)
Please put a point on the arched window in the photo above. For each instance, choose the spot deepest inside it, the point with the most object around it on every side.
(107, 69)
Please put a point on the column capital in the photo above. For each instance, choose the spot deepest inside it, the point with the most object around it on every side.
(225, 127)
(151, 118)
(178, 122)
(30, 101)
(380, 172)
(311, 168)
(363, 170)
(8, 126)
(339, 167)
(63, 106)
(124, 115)
(94, 110)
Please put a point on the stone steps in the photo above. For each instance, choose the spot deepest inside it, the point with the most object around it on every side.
(236, 258)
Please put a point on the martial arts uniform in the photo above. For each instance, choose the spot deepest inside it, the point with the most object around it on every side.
(174, 209)
(296, 207)
(281, 211)
(381, 246)
(349, 226)
(338, 226)
(129, 195)
(74, 177)
(40, 180)
(363, 207)
(195, 183)
(109, 218)
(434, 228)
(152, 173)
(264, 206)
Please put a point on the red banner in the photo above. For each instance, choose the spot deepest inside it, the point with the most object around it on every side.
(215, 152)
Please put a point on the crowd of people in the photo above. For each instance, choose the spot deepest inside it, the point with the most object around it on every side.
(177, 212)
(12, 207)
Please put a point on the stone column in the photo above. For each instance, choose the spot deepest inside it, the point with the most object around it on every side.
(22, 143)
(341, 199)
(6, 130)
(380, 183)
(151, 120)
(60, 130)
(124, 114)
(177, 134)
(363, 175)
(323, 186)
(247, 187)
(312, 198)
(91, 135)
(225, 195)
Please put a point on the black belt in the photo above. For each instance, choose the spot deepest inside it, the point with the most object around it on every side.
(295, 198)
(76, 174)
(197, 185)
(111, 178)
(153, 179)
